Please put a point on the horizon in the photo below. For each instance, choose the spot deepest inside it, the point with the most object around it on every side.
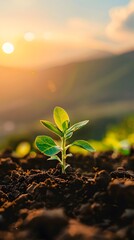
(66, 63)
(47, 34)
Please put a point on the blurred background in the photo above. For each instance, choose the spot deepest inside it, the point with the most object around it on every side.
(75, 54)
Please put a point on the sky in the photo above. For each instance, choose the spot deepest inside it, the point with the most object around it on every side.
(51, 32)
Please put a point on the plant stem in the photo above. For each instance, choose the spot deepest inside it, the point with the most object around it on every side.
(63, 145)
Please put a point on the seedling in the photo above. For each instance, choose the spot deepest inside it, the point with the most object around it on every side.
(64, 131)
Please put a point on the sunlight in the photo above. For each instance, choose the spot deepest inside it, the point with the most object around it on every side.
(8, 48)
(29, 36)
(48, 35)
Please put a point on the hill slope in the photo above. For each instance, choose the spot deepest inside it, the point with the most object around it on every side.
(90, 89)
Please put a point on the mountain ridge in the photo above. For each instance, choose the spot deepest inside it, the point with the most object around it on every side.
(90, 88)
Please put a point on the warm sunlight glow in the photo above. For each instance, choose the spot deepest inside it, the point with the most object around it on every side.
(47, 35)
(29, 36)
(8, 47)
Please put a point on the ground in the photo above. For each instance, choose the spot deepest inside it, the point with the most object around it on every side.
(93, 200)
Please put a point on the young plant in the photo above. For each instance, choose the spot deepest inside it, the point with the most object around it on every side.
(64, 131)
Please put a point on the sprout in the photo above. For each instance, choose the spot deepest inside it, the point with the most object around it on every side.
(64, 130)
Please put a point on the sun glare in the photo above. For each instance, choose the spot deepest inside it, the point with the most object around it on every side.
(8, 47)
(29, 36)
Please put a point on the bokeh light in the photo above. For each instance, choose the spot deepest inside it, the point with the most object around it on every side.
(29, 36)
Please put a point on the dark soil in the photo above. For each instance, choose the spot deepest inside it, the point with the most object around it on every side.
(94, 200)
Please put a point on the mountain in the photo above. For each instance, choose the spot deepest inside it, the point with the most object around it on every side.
(95, 89)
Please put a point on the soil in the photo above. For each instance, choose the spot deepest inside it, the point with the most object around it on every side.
(94, 200)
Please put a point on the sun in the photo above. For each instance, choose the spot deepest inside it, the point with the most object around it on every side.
(8, 47)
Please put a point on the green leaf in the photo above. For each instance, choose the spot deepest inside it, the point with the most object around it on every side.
(77, 126)
(51, 127)
(83, 144)
(55, 157)
(61, 118)
(65, 126)
(47, 145)
(68, 135)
